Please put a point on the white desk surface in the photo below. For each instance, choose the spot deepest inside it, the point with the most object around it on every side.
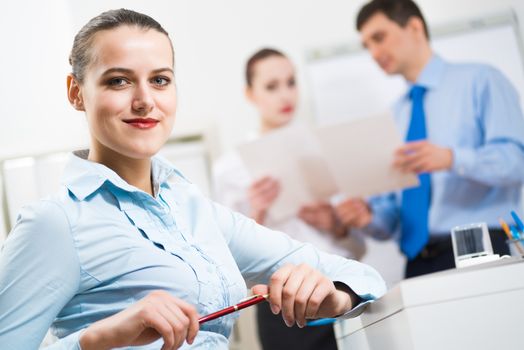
(470, 308)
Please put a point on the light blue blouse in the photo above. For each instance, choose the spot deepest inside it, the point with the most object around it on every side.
(100, 245)
(474, 110)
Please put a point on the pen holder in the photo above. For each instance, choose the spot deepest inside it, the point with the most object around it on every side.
(516, 247)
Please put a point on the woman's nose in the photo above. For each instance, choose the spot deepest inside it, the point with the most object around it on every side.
(143, 102)
(289, 93)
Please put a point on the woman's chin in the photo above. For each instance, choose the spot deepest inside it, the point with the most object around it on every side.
(140, 152)
(285, 120)
(145, 149)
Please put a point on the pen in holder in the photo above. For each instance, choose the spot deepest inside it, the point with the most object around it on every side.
(515, 247)
(514, 241)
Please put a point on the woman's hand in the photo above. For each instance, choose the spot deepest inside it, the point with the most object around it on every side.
(261, 194)
(354, 212)
(321, 215)
(302, 292)
(158, 315)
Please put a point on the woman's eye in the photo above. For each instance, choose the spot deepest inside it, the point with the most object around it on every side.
(161, 81)
(271, 87)
(116, 82)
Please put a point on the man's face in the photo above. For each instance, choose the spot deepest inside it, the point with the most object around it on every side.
(390, 45)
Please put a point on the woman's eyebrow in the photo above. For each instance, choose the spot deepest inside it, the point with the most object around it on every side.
(130, 71)
(160, 70)
(117, 70)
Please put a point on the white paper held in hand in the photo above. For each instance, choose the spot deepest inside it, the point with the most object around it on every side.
(314, 163)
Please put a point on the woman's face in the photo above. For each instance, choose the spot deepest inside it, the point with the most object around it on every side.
(128, 92)
(273, 91)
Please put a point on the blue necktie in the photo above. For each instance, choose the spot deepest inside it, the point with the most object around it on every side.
(415, 201)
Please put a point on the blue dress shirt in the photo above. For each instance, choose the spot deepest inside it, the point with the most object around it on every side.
(100, 245)
(475, 111)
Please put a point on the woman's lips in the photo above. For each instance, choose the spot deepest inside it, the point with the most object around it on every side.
(287, 109)
(142, 123)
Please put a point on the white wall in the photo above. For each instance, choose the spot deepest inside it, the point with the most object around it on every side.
(35, 115)
(212, 40)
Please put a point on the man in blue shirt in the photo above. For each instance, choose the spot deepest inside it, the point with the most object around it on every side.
(464, 133)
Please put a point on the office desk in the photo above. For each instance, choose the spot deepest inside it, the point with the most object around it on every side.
(480, 307)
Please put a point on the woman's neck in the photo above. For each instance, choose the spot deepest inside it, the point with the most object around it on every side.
(136, 172)
(266, 127)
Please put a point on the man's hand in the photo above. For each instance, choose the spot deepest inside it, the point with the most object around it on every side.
(422, 157)
(302, 292)
(321, 215)
(158, 315)
(261, 194)
(354, 213)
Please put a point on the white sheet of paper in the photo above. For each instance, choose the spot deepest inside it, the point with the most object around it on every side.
(292, 156)
(353, 158)
(360, 156)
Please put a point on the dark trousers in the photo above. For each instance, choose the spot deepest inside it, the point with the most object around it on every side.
(275, 335)
(437, 255)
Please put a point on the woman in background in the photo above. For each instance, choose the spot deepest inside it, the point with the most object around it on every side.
(271, 88)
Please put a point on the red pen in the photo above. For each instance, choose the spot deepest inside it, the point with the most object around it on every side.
(255, 299)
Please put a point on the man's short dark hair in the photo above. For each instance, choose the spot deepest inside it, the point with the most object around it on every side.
(399, 11)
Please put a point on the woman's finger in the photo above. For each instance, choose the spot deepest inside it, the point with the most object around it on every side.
(264, 184)
(276, 285)
(302, 298)
(260, 289)
(260, 181)
(317, 297)
(153, 319)
(265, 192)
(180, 323)
(193, 316)
(289, 292)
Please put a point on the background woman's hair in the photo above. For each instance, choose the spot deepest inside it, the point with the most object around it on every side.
(258, 56)
(80, 56)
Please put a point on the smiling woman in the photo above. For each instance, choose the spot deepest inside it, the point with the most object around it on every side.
(127, 93)
(129, 253)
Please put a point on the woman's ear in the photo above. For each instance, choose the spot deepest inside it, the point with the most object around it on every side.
(74, 93)
(248, 92)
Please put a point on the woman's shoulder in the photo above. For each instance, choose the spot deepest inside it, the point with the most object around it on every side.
(51, 211)
(42, 227)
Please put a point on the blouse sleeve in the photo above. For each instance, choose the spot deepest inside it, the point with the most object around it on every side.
(259, 252)
(39, 274)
